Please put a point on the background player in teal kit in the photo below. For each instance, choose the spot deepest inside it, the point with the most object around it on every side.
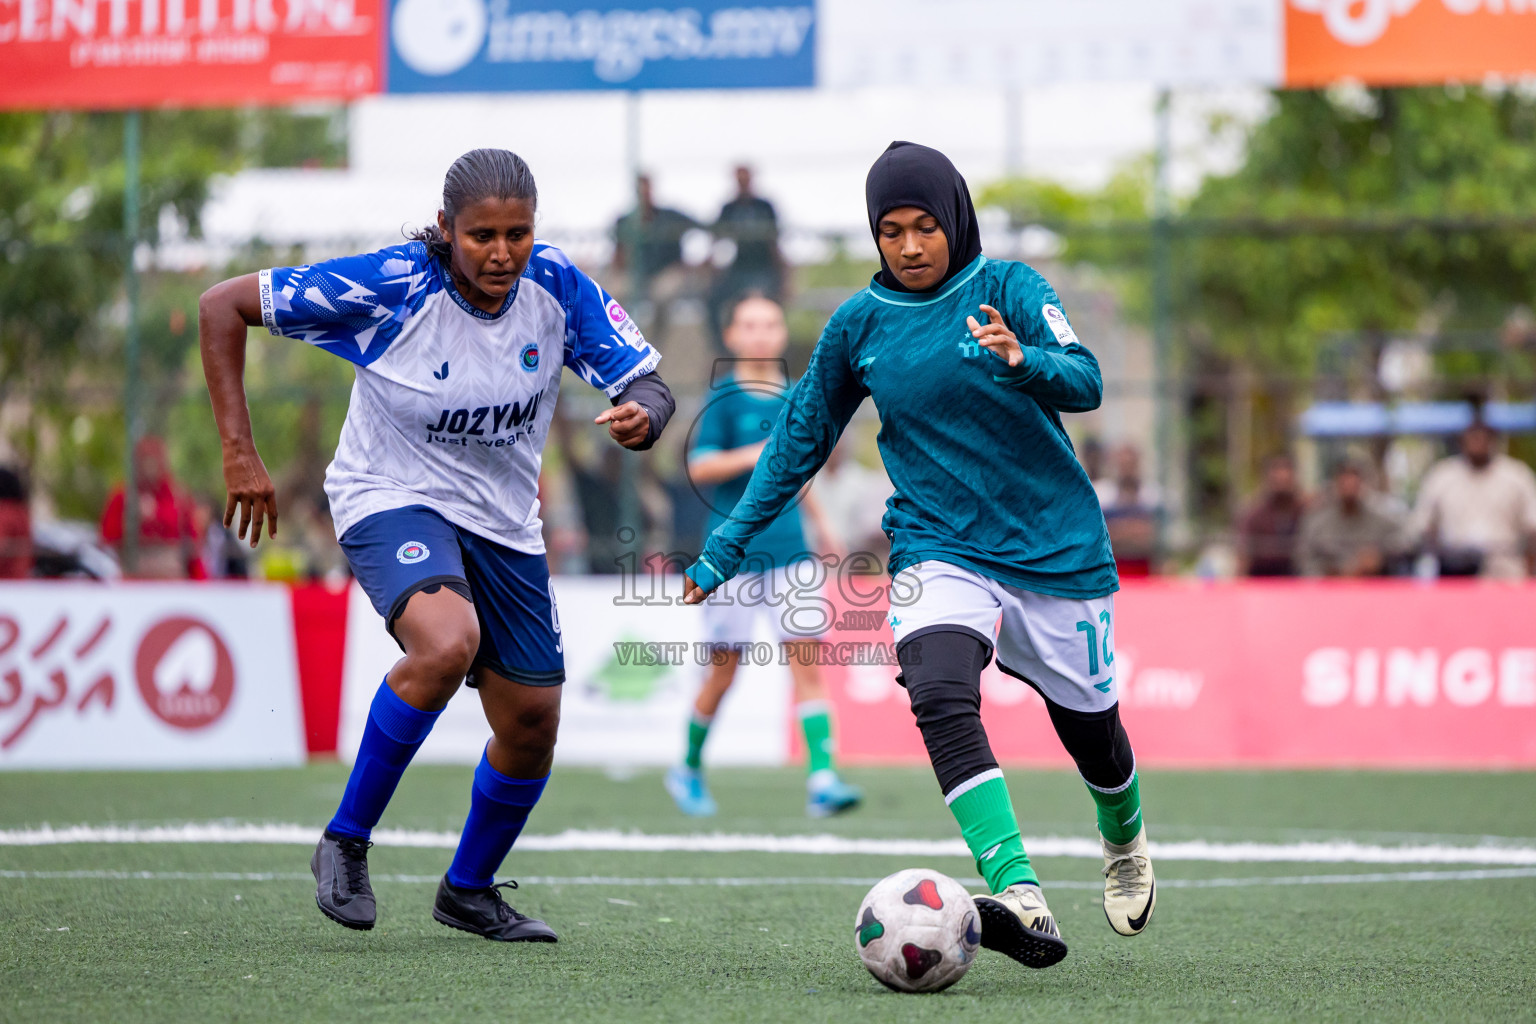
(729, 438)
(997, 542)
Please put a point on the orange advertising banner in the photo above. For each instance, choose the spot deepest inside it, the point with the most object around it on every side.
(100, 54)
(1408, 42)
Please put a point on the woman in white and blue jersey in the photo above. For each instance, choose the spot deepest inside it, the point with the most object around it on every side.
(998, 546)
(459, 337)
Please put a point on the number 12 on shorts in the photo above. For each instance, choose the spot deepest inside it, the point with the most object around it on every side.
(1093, 643)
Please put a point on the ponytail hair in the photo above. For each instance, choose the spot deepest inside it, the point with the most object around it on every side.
(477, 175)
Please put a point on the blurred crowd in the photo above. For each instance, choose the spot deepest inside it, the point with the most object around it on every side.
(1474, 513)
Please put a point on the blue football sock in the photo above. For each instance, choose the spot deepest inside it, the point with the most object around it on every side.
(390, 739)
(498, 808)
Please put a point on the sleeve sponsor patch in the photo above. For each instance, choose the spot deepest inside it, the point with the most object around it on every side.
(603, 343)
(264, 289)
(1056, 322)
(625, 326)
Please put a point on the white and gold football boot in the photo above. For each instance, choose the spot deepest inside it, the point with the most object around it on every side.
(1129, 890)
(1017, 922)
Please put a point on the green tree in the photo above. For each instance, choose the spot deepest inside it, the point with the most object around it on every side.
(62, 264)
(1432, 193)
(1354, 214)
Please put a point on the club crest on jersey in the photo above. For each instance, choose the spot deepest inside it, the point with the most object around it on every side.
(411, 552)
(529, 357)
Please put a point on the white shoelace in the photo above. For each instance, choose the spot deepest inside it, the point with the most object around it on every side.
(1127, 870)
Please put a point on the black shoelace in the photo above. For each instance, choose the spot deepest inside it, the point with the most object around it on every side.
(354, 862)
(504, 910)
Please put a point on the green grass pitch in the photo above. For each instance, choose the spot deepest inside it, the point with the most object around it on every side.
(198, 949)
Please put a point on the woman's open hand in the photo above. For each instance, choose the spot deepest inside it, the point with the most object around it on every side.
(250, 490)
(996, 336)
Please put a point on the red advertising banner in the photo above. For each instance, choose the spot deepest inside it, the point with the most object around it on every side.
(1326, 673)
(100, 54)
(320, 642)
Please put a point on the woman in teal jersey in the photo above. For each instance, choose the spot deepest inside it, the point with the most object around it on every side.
(998, 546)
(722, 450)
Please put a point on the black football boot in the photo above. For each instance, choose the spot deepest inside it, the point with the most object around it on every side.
(340, 867)
(485, 913)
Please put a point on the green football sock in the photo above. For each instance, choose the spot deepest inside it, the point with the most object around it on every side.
(816, 723)
(987, 822)
(1119, 811)
(698, 732)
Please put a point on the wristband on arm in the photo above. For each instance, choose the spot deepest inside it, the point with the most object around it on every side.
(650, 393)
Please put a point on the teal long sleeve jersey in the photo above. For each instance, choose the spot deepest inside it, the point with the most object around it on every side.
(985, 476)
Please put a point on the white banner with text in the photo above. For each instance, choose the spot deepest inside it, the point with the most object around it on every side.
(148, 675)
(627, 698)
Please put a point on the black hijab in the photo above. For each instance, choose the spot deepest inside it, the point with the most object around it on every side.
(907, 174)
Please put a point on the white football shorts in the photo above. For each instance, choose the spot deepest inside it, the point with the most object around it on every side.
(792, 612)
(1064, 646)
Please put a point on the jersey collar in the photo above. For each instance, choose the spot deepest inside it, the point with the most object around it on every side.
(469, 307)
(884, 294)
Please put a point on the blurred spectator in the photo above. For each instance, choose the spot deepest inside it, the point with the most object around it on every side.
(1132, 509)
(1091, 454)
(1351, 532)
(15, 527)
(1477, 510)
(648, 251)
(167, 537)
(1267, 535)
(649, 239)
(750, 223)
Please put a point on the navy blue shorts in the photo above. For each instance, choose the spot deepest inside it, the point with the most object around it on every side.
(396, 553)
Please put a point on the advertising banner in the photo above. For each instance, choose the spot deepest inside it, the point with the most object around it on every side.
(633, 665)
(546, 45)
(147, 675)
(1327, 673)
(1408, 42)
(101, 54)
(990, 44)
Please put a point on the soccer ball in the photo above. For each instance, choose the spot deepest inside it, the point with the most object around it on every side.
(917, 931)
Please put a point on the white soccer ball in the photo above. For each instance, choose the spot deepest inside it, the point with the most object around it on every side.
(917, 931)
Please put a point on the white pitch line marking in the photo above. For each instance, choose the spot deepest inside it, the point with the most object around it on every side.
(605, 881)
(615, 841)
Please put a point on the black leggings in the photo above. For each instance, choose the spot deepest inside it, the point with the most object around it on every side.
(941, 670)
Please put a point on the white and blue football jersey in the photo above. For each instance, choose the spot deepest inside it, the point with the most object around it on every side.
(451, 405)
